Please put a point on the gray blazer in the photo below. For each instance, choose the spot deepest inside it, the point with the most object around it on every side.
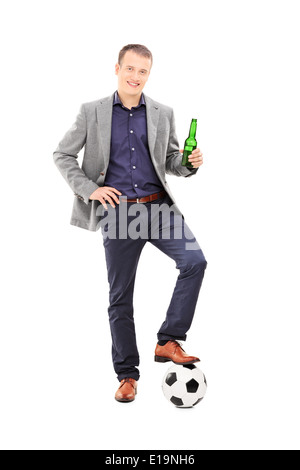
(92, 129)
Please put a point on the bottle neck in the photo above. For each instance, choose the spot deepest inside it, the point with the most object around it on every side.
(193, 129)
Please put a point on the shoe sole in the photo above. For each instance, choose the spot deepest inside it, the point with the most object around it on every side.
(124, 400)
(166, 359)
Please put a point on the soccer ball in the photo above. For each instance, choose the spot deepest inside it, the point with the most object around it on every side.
(184, 385)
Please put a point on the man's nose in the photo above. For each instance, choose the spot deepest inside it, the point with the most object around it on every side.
(135, 77)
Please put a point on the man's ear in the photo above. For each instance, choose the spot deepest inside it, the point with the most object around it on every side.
(117, 68)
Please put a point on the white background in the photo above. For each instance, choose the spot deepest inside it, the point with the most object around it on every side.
(234, 65)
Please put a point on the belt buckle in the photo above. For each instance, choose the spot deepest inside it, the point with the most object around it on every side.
(137, 200)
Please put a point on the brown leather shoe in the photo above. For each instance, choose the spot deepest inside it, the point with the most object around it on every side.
(127, 390)
(172, 351)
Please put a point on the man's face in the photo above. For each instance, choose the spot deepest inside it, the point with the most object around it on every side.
(133, 73)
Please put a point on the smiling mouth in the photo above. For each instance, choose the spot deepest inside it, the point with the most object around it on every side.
(133, 85)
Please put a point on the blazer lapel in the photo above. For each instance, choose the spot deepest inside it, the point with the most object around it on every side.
(152, 112)
(104, 117)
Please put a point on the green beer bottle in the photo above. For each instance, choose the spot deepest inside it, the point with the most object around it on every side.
(190, 144)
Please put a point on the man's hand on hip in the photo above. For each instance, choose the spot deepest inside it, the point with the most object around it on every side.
(106, 193)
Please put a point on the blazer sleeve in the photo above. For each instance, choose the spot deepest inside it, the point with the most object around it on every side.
(174, 157)
(66, 154)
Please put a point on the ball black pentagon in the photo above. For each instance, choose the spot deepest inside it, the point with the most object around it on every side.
(171, 378)
(192, 386)
(176, 401)
(189, 366)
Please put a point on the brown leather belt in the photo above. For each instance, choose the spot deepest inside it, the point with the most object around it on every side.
(150, 198)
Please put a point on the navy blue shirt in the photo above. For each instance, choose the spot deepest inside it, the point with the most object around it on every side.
(130, 169)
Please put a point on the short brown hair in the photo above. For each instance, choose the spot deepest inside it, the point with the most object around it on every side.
(138, 49)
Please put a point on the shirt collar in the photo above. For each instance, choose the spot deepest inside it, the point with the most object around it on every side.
(118, 101)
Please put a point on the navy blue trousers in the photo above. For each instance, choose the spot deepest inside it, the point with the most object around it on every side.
(124, 237)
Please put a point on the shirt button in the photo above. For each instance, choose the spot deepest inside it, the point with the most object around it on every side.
(132, 149)
(131, 132)
(134, 167)
(130, 114)
(135, 185)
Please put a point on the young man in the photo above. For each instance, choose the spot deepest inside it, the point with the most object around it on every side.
(130, 144)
